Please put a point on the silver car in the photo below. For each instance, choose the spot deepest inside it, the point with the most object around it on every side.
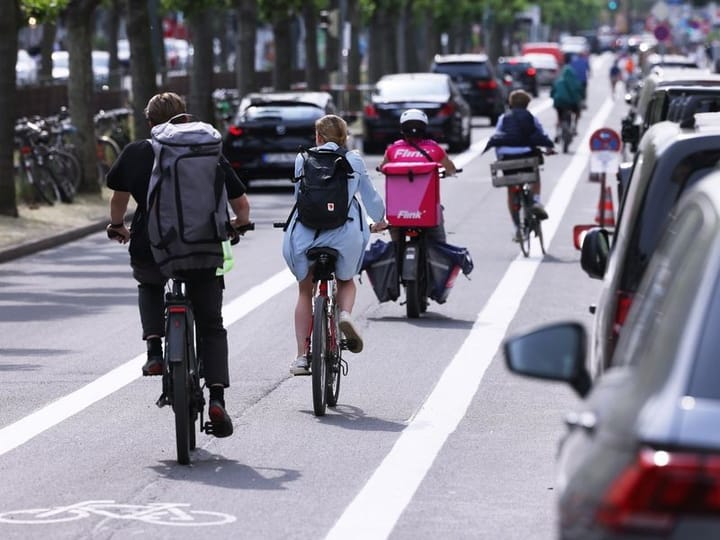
(641, 458)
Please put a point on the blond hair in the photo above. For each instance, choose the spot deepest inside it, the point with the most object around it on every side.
(162, 107)
(332, 128)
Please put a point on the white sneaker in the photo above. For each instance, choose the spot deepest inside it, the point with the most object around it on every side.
(349, 330)
(300, 366)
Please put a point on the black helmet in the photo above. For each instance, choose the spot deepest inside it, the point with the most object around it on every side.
(413, 123)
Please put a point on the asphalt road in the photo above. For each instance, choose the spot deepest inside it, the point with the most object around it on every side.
(432, 437)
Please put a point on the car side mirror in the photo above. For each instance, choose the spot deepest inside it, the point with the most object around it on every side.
(555, 352)
(595, 252)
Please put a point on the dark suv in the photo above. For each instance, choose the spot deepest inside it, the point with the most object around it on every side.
(518, 73)
(671, 157)
(478, 82)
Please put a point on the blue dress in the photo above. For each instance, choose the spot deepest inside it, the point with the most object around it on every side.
(351, 238)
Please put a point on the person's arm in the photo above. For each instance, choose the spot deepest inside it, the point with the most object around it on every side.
(241, 208)
(448, 165)
(118, 206)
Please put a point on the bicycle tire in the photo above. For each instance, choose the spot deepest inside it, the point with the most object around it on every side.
(65, 171)
(107, 152)
(412, 298)
(334, 368)
(539, 235)
(524, 230)
(177, 347)
(319, 354)
(43, 182)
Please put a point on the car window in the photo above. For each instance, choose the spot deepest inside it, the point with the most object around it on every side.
(401, 88)
(705, 378)
(655, 325)
(281, 112)
(665, 187)
(468, 69)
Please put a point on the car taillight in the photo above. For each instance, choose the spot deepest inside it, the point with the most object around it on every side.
(531, 72)
(658, 487)
(447, 109)
(370, 111)
(487, 85)
(624, 301)
(235, 131)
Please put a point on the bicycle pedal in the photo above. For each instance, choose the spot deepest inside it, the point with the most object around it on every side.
(162, 401)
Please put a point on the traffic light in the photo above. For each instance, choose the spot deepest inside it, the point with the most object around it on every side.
(612, 5)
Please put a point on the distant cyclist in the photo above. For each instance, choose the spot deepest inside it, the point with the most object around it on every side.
(566, 93)
(518, 135)
(415, 146)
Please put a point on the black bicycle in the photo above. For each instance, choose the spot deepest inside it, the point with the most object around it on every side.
(518, 175)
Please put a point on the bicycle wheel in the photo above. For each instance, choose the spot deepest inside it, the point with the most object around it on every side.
(539, 235)
(107, 152)
(319, 354)
(412, 298)
(525, 230)
(66, 172)
(177, 348)
(334, 368)
(42, 181)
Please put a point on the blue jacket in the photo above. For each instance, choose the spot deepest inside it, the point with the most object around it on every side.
(518, 128)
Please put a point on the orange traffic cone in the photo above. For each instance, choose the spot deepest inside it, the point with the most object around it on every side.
(606, 212)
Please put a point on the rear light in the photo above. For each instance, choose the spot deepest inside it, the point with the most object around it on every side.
(624, 301)
(25, 150)
(235, 131)
(447, 109)
(531, 71)
(177, 309)
(370, 111)
(487, 85)
(657, 488)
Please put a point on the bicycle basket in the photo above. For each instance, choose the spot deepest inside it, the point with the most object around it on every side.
(511, 172)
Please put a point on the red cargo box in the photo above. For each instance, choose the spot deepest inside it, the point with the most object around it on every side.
(412, 194)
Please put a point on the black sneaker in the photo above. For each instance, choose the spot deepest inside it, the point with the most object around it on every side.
(220, 424)
(539, 210)
(153, 366)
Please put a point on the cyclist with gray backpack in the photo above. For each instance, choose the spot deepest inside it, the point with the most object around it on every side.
(327, 213)
(149, 171)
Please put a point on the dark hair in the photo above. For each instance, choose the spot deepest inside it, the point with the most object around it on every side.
(519, 99)
(162, 107)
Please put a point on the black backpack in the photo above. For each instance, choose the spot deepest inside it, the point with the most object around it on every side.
(323, 199)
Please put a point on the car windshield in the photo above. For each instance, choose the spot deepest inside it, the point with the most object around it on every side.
(281, 112)
(404, 89)
(473, 69)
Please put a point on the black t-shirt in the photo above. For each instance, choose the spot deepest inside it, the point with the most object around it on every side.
(131, 173)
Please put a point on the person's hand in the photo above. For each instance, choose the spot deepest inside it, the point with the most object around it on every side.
(550, 151)
(120, 234)
(379, 226)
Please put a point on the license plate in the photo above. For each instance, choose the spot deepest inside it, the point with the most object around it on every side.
(279, 158)
(464, 86)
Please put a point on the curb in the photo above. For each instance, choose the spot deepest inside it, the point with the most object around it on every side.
(28, 248)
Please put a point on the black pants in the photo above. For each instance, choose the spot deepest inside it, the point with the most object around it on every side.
(205, 291)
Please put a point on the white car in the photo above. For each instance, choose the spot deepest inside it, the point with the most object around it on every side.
(100, 66)
(546, 67)
(60, 66)
(26, 71)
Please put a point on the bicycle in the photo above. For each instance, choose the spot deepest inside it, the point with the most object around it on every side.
(324, 344)
(518, 175)
(567, 129)
(182, 367)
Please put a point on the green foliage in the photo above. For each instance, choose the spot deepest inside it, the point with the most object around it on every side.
(42, 10)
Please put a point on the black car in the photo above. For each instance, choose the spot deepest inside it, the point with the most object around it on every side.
(449, 116)
(518, 73)
(263, 139)
(641, 455)
(671, 158)
(478, 81)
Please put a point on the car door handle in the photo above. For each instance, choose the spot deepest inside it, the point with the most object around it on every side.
(586, 420)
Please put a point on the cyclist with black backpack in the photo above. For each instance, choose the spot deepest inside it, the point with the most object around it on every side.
(130, 176)
(328, 213)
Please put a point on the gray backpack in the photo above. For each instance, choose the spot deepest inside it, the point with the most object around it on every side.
(187, 202)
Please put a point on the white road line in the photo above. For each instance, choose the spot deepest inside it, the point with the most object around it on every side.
(34, 424)
(377, 507)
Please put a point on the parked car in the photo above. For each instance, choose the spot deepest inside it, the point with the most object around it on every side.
(641, 457)
(546, 67)
(652, 102)
(478, 81)
(263, 138)
(26, 71)
(449, 115)
(671, 158)
(667, 60)
(519, 73)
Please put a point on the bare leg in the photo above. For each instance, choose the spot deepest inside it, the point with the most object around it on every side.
(303, 312)
(346, 294)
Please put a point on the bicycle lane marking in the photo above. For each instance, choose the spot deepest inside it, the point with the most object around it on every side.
(393, 484)
(52, 414)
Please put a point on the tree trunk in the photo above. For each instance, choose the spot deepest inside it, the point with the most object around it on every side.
(46, 48)
(410, 38)
(312, 68)
(142, 66)
(355, 97)
(9, 24)
(247, 16)
(81, 85)
(113, 22)
(376, 49)
(282, 32)
(200, 102)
